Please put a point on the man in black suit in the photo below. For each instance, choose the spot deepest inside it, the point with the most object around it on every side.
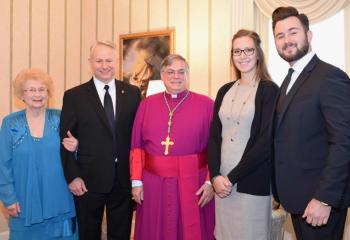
(100, 114)
(311, 134)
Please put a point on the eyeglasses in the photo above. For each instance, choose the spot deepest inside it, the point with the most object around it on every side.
(34, 90)
(171, 72)
(247, 51)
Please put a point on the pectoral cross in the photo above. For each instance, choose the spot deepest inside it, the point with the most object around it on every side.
(166, 145)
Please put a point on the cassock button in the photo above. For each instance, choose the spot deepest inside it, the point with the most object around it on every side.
(116, 160)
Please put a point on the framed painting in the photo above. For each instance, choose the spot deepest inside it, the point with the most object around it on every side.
(141, 54)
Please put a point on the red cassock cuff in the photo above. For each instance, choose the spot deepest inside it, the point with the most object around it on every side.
(137, 162)
(207, 178)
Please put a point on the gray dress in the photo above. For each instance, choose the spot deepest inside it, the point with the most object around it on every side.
(239, 216)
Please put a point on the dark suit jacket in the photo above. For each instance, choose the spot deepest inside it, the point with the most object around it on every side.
(312, 139)
(252, 174)
(83, 114)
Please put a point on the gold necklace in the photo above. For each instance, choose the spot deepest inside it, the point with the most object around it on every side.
(236, 121)
(168, 142)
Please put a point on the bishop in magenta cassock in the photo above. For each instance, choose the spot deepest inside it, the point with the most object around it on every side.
(168, 162)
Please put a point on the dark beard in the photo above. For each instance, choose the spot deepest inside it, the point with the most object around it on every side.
(299, 54)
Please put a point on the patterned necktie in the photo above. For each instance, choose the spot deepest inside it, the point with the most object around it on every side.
(108, 106)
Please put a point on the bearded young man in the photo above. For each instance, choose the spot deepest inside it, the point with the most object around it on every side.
(311, 133)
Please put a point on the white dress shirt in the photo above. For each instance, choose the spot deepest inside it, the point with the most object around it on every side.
(298, 68)
(101, 91)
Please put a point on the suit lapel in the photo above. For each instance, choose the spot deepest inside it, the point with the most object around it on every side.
(304, 75)
(120, 98)
(96, 103)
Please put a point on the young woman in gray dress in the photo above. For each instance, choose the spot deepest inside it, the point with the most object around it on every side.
(238, 151)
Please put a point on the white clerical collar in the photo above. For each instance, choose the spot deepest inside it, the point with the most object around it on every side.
(176, 95)
(172, 95)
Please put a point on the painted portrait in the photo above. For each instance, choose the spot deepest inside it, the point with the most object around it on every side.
(141, 55)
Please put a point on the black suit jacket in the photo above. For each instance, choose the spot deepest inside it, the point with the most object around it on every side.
(312, 139)
(252, 174)
(83, 114)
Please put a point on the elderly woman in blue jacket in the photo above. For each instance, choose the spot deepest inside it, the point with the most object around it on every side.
(32, 185)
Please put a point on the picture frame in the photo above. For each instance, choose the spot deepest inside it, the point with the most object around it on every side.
(141, 54)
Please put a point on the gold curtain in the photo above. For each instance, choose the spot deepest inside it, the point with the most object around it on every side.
(316, 10)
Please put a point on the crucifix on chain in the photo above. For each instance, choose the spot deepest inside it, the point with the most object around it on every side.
(167, 141)
(166, 145)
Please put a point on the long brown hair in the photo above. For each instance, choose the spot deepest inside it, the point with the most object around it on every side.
(261, 69)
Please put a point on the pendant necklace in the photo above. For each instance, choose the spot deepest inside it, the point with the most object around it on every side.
(168, 142)
(236, 121)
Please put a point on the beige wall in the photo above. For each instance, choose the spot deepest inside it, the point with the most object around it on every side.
(55, 35)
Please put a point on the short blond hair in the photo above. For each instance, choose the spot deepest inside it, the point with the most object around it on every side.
(32, 74)
(104, 43)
